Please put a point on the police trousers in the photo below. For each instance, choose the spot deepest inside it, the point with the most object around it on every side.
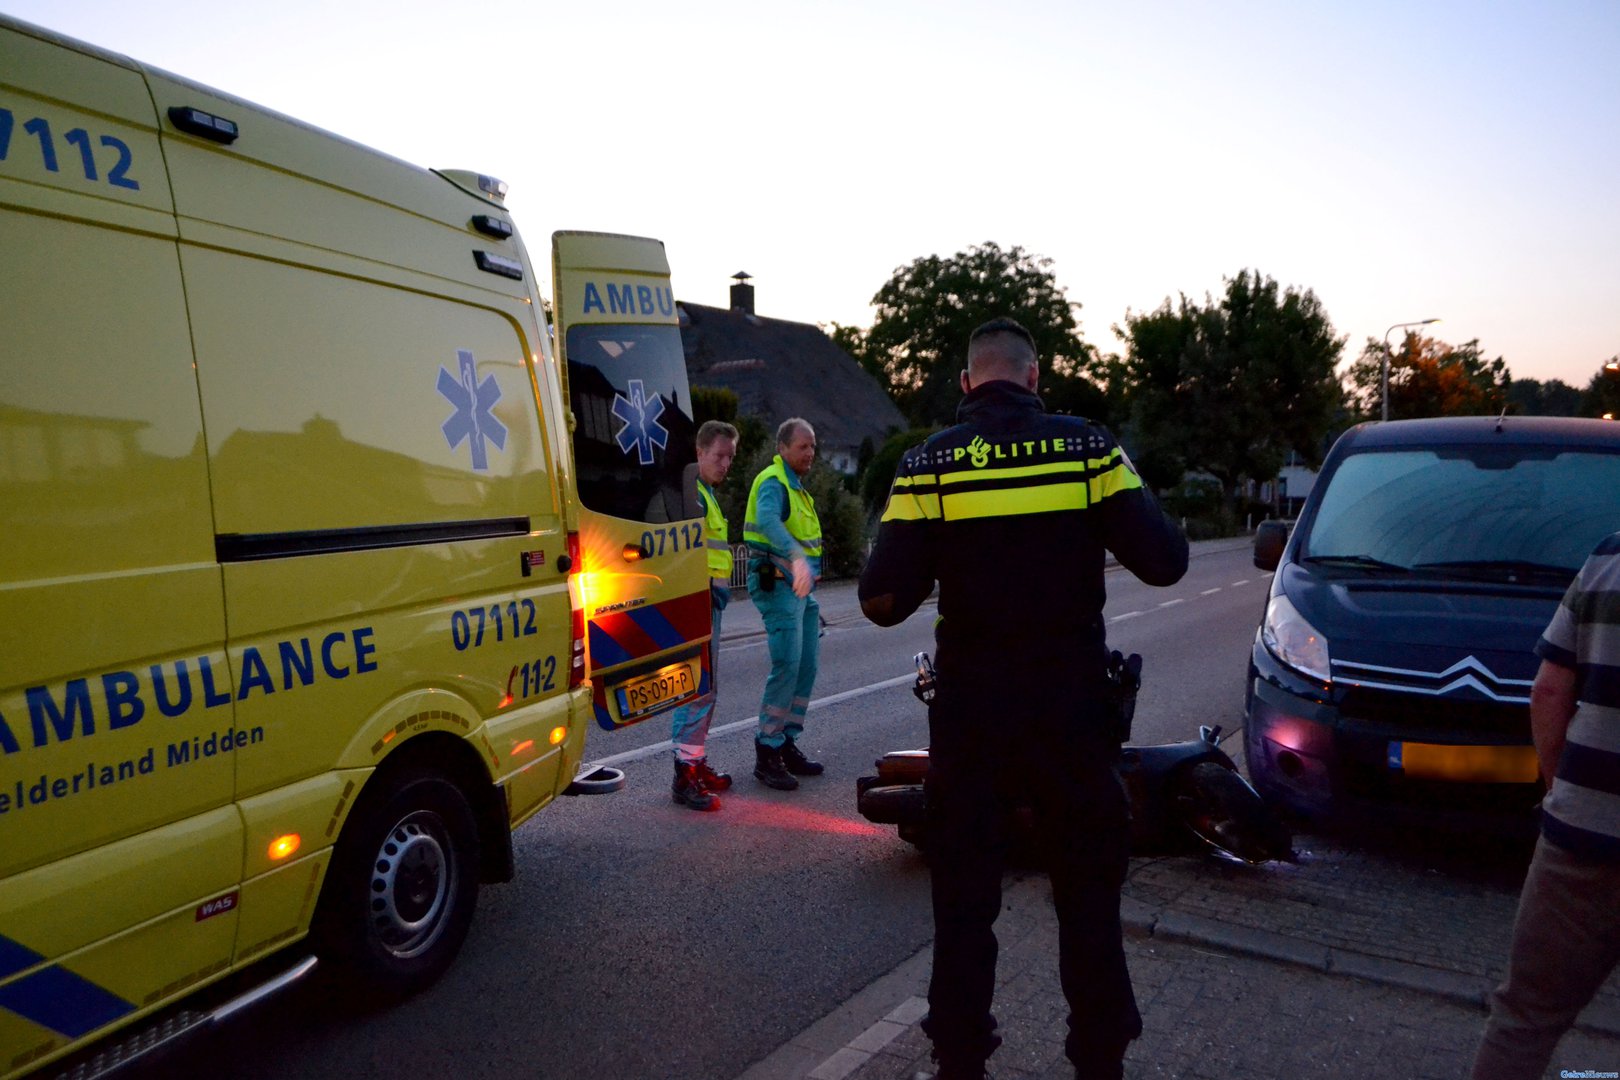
(998, 740)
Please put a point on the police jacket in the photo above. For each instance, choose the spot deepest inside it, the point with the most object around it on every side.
(1011, 511)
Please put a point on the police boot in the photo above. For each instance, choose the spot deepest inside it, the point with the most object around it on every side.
(688, 788)
(769, 770)
(795, 761)
(711, 780)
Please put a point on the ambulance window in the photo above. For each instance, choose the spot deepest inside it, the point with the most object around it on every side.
(634, 442)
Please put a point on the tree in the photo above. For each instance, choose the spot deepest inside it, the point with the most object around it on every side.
(1231, 387)
(1428, 377)
(878, 476)
(1602, 397)
(1531, 397)
(917, 343)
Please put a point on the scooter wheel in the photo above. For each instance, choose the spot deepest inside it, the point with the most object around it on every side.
(1220, 808)
(893, 804)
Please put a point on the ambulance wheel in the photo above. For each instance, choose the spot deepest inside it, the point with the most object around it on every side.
(403, 884)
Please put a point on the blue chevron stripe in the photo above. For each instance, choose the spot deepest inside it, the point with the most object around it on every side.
(656, 626)
(605, 651)
(55, 997)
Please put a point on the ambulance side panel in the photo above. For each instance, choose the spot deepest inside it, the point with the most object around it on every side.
(112, 627)
(385, 494)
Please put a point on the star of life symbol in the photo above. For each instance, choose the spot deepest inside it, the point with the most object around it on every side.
(641, 427)
(472, 421)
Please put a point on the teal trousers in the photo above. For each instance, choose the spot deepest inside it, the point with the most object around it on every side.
(793, 634)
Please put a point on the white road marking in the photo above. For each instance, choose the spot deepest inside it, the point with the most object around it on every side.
(749, 723)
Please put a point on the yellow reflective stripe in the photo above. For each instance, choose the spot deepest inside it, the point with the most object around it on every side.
(1119, 478)
(1003, 502)
(919, 478)
(1013, 473)
(909, 506)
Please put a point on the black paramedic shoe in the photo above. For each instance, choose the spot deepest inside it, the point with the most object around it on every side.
(769, 770)
(688, 789)
(797, 764)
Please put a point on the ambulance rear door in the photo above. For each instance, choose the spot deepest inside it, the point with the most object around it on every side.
(644, 576)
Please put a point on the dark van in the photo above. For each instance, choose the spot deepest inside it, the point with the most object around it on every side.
(1392, 667)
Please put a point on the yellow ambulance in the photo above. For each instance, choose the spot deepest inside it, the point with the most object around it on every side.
(296, 582)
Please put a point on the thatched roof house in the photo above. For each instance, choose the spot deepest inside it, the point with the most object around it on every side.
(779, 369)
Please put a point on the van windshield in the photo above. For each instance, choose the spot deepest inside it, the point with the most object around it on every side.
(1499, 511)
(635, 438)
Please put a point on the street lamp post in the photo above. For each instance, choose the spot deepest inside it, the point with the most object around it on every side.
(1385, 380)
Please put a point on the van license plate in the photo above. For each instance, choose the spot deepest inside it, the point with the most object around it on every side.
(1468, 764)
(665, 687)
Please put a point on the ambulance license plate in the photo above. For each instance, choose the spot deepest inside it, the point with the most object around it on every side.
(665, 687)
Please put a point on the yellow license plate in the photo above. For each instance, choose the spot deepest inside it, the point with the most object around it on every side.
(664, 688)
(1470, 764)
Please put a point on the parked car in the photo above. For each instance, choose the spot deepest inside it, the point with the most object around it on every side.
(1392, 667)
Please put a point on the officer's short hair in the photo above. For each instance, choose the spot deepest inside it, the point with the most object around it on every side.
(713, 430)
(791, 427)
(1016, 357)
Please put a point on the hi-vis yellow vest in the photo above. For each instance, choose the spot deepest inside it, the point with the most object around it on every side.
(714, 534)
(802, 523)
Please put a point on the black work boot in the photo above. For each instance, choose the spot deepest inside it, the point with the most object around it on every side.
(711, 780)
(795, 761)
(688, 789)
(769, 770)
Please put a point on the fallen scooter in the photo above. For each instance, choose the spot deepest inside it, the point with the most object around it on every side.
(1185, 797)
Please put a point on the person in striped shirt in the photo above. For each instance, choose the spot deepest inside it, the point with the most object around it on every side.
(1566, 936)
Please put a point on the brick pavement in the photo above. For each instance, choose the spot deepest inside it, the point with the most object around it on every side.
(1370, 957)
(1356, 962)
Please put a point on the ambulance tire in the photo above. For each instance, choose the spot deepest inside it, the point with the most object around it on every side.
(400, 895)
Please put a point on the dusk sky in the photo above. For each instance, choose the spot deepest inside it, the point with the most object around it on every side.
(1401, 160)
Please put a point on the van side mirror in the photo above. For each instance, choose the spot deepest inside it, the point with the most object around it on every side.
(1269, 540)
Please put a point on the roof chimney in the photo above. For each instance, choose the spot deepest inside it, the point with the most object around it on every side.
(742, 293)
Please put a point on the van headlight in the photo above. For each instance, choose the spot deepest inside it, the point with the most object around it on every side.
(1294, 641)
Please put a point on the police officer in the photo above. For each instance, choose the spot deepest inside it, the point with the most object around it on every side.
(1011, 511)
(784, 540)
(697, 785)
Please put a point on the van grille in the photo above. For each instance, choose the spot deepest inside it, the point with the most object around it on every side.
(1502, 721)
